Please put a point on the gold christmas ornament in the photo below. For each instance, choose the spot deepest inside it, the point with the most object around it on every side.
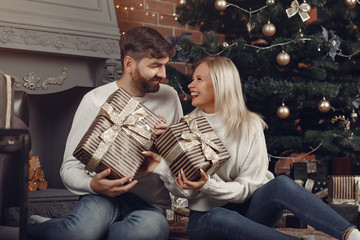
(269, 29)
(350, 3)
(182, 2)
(283, 58)
(270, 2)
(324, 105)
(283, 111)
(220, 5)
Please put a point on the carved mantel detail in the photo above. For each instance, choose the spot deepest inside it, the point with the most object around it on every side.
(59, 42)
(33, 82)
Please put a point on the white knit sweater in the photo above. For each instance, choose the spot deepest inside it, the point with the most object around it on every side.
(236, 180)
(73, 173)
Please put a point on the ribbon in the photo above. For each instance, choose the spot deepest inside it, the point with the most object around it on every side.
(302, 9)
(195, 137)
(126, 120)
(8, 111)
(357, 191)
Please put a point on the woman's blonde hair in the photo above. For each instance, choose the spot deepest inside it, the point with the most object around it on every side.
(229, 99)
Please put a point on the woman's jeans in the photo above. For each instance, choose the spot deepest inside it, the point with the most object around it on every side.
(99, 217)
(255, 218)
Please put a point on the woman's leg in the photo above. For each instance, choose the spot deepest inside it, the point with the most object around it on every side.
(225, 224)
(90, 219)
(283, 193)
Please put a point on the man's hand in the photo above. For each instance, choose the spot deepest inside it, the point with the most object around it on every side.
(183, 183)
(161, 127)
(101, 185)
(152, 160)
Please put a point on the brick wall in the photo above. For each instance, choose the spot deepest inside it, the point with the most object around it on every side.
(158, 14)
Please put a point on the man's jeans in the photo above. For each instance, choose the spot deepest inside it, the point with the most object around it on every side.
(100, 217)
(255, 218)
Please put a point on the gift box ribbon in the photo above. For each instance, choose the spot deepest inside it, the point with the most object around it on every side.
(192, 138)
(9, 93)
(126, 120)
(296, 8)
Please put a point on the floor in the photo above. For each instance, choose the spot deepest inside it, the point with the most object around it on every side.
(178, 232)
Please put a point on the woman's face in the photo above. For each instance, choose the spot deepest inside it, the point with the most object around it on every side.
(202, 89)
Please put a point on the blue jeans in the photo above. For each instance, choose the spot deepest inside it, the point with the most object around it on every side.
(256, 218)
(101, 217)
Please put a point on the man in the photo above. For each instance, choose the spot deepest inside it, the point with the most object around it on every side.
(108, 209)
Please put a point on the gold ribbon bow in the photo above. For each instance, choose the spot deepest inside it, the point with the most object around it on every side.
(193, 138)
(126, 120)
(302, 9)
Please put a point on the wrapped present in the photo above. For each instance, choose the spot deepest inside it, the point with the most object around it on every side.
(190, 145)
(313, 176)
(347, 211)
(121, 131)
(344, 189)
(6, 101)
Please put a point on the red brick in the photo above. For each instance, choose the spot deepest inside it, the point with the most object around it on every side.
(143, 16)
(176, 2)
(127, 25)
(184, 68)
(131, 3)
(121, 13)
(168, 20)
(161, 8)
(165, 31)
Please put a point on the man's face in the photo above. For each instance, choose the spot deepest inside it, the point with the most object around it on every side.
(148, 74)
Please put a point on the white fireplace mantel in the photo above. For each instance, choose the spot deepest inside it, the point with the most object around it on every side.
(81, 27)
(53, 45)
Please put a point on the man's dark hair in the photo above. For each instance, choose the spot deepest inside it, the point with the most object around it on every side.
(145, 42)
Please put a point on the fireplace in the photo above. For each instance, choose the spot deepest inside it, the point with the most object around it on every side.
(57, 50)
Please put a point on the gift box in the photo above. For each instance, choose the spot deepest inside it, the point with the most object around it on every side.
(344, 189)
(190, 145)
(347, 211)
(121, 131)
(6, 101)
(313, 176)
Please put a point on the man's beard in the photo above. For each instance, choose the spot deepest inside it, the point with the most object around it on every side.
(146, 85)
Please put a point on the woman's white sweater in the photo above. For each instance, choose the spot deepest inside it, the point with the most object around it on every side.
(236, 180)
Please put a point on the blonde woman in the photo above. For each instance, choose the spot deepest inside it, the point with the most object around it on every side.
(242, 200)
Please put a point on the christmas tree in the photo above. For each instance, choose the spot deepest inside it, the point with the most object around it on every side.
(302, 74)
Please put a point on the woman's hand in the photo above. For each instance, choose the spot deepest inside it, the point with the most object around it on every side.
(151, 161)
(111, 187)
(183, 183)
(161, 127)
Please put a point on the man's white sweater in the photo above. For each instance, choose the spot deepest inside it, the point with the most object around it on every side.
(73, 173)
(237, 179)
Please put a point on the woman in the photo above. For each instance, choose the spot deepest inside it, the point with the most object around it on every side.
(242, 200)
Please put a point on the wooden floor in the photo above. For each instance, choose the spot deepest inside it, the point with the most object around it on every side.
(179, 233)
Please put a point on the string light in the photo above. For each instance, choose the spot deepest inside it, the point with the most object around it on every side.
(247, 11)
(257, 47)
(299, 157)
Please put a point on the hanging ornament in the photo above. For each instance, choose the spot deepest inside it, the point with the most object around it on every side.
(283, 58)
(220, 5)
(353, 116)
(269, 29)
(283, 111)
(303, 10)
(350, 3)
(270, 2)
(182, 2)
(324, 105)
